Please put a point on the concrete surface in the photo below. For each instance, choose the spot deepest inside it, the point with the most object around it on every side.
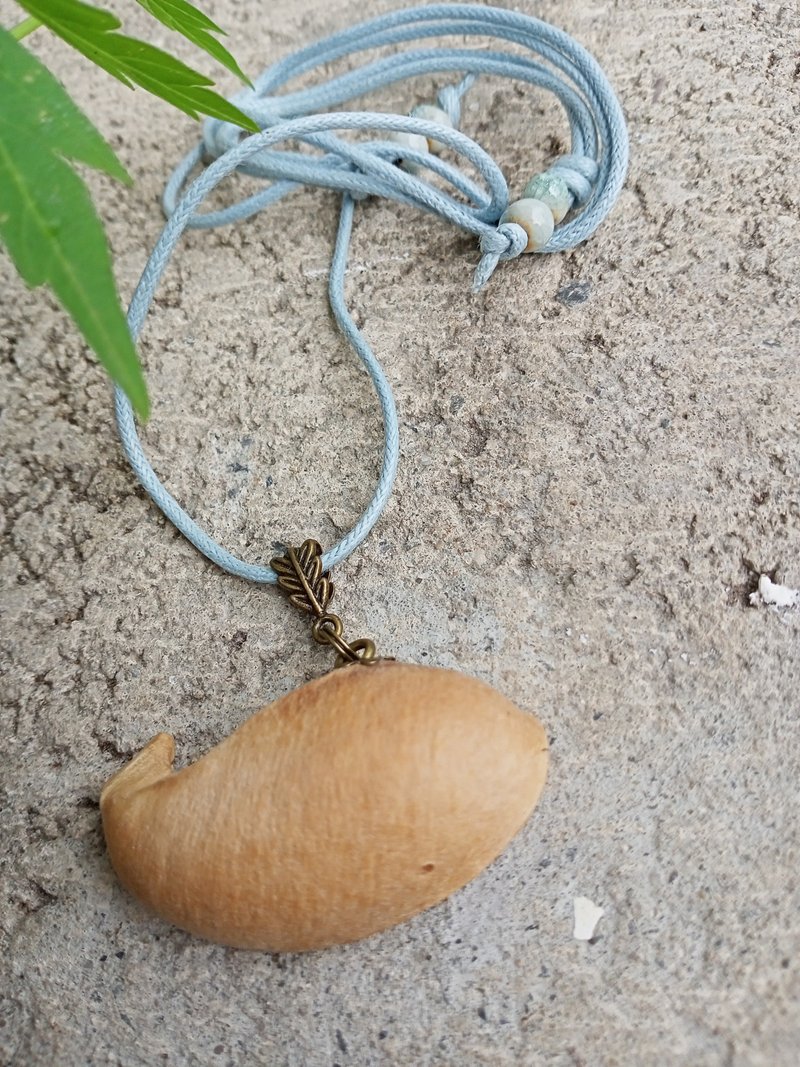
(587, 495)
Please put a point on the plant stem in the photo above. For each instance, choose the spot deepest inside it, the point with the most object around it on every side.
(22, 29)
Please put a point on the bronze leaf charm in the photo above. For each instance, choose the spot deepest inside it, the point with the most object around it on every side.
(300, 576)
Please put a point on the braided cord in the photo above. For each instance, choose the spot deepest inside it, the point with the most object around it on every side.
(594, 171)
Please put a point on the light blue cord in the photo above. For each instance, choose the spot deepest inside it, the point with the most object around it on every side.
(594, 171)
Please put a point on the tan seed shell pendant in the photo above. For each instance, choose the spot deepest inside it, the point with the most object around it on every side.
(344, 807)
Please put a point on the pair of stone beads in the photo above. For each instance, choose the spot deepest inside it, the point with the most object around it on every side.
(546, 199)
(415, 141)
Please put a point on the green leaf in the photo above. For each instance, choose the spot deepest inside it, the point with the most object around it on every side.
(92, 31)
(196, 27)
(47, 222)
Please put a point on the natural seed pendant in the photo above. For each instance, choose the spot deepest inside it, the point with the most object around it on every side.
(344, 807)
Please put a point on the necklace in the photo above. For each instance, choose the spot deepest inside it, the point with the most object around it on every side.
(376, 790)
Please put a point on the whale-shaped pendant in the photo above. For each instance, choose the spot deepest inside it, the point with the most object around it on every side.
(341, 809)
(346, 806)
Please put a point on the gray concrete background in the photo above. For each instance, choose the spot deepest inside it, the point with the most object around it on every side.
(586, 497)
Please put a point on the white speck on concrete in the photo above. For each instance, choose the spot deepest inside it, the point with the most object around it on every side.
(587, 916)
(774, 595)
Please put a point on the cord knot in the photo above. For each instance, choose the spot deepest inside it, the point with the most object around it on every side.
(220, 136)
(579, 173)
(449, 98)
(506, 241)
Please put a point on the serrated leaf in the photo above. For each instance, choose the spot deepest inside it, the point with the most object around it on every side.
(60, 125)
(92, 31)
(47, 222)
(196, 27)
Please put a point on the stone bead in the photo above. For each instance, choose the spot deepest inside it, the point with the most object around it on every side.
(432, 113)
(536, 219)
(410, 140)
(551, 190)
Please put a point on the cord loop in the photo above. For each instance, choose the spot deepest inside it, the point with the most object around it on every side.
(329, 157)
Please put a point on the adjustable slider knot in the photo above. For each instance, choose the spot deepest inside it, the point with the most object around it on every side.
(220, 136)
(449, 98)
(578, 172)
(507, 241)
